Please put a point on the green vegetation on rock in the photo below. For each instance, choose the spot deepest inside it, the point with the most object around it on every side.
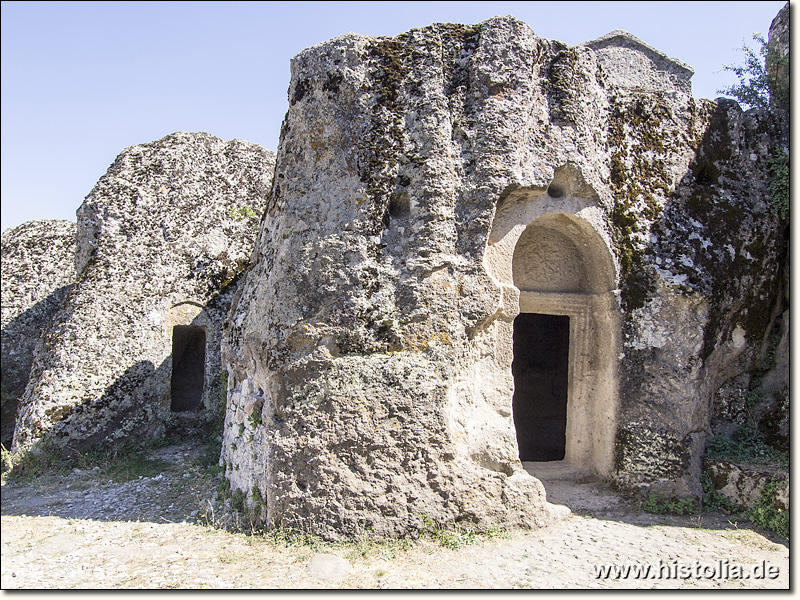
(747, 445)
(767, 514)
(713, 499)
(246, 213)
(764, 83)
(763, 78)
(779, 182)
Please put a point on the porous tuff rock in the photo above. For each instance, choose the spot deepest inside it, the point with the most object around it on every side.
(369, 352)
(161, 241)
(38, 265)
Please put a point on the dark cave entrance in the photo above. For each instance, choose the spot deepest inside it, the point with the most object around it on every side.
(540, 370)
(188, 367)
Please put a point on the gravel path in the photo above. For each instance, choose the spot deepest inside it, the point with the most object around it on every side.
(78, 532)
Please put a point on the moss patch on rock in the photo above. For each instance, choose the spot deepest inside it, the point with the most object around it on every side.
(638, 128)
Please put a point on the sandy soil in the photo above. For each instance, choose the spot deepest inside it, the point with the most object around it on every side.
(76, 531)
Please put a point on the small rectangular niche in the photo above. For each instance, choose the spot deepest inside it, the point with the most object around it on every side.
(188, 367)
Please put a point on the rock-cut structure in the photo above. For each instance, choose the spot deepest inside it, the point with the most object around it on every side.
(133, 347)
(484, 247)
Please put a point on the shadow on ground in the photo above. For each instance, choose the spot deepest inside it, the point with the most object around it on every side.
(589, 496)
(178, 492)
(182, 492)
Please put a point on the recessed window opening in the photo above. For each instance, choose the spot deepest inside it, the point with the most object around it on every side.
(188, 367)
(399, 206)
(540, 370)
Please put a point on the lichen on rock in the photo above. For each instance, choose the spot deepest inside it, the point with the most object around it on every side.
(434, 194)
(381, 306)
(161, 242)
(38, 267)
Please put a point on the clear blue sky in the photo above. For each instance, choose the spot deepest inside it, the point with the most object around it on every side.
(83, 80)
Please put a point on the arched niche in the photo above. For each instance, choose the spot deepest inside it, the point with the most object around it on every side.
(549, 253)
(564, 341)
(561, 253)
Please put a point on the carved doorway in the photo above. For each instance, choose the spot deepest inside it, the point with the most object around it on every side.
(564, 340)
(188, 367)
(541, 382)
(550, 254)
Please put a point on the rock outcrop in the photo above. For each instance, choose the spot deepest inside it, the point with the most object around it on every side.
(743, 485)
(779, 40)
(432, 192)
(162, 240)
(38, 266)
(760, 398)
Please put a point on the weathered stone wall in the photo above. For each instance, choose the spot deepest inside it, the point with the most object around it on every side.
(369, 352)
(754, 405)
(702, 301)
(162, 240)
(429, 188)
(38, 265)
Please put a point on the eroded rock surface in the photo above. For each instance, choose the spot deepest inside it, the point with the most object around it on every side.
(743, 485)
(433, 192)
(431, 187)
(38, 266)
(161, 241)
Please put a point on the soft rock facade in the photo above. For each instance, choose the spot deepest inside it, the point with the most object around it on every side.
(37, 268)
(161, 242)
(432, 188)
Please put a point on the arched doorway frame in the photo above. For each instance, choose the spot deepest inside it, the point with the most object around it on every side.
(190, 313)
(594, 313)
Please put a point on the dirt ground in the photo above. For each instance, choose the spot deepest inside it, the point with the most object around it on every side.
(81, 531)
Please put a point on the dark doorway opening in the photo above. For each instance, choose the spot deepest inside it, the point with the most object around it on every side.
(188, 366)
(540, 370)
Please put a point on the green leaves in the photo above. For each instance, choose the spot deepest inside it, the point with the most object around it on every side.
(763, 78)
(764, 83)
(768, 513)
(779, 182)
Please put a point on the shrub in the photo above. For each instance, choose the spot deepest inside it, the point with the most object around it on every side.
(746, 445)
(763, 77)
(764, 82)
(712, 499)
(767, 514)
(779, 182)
